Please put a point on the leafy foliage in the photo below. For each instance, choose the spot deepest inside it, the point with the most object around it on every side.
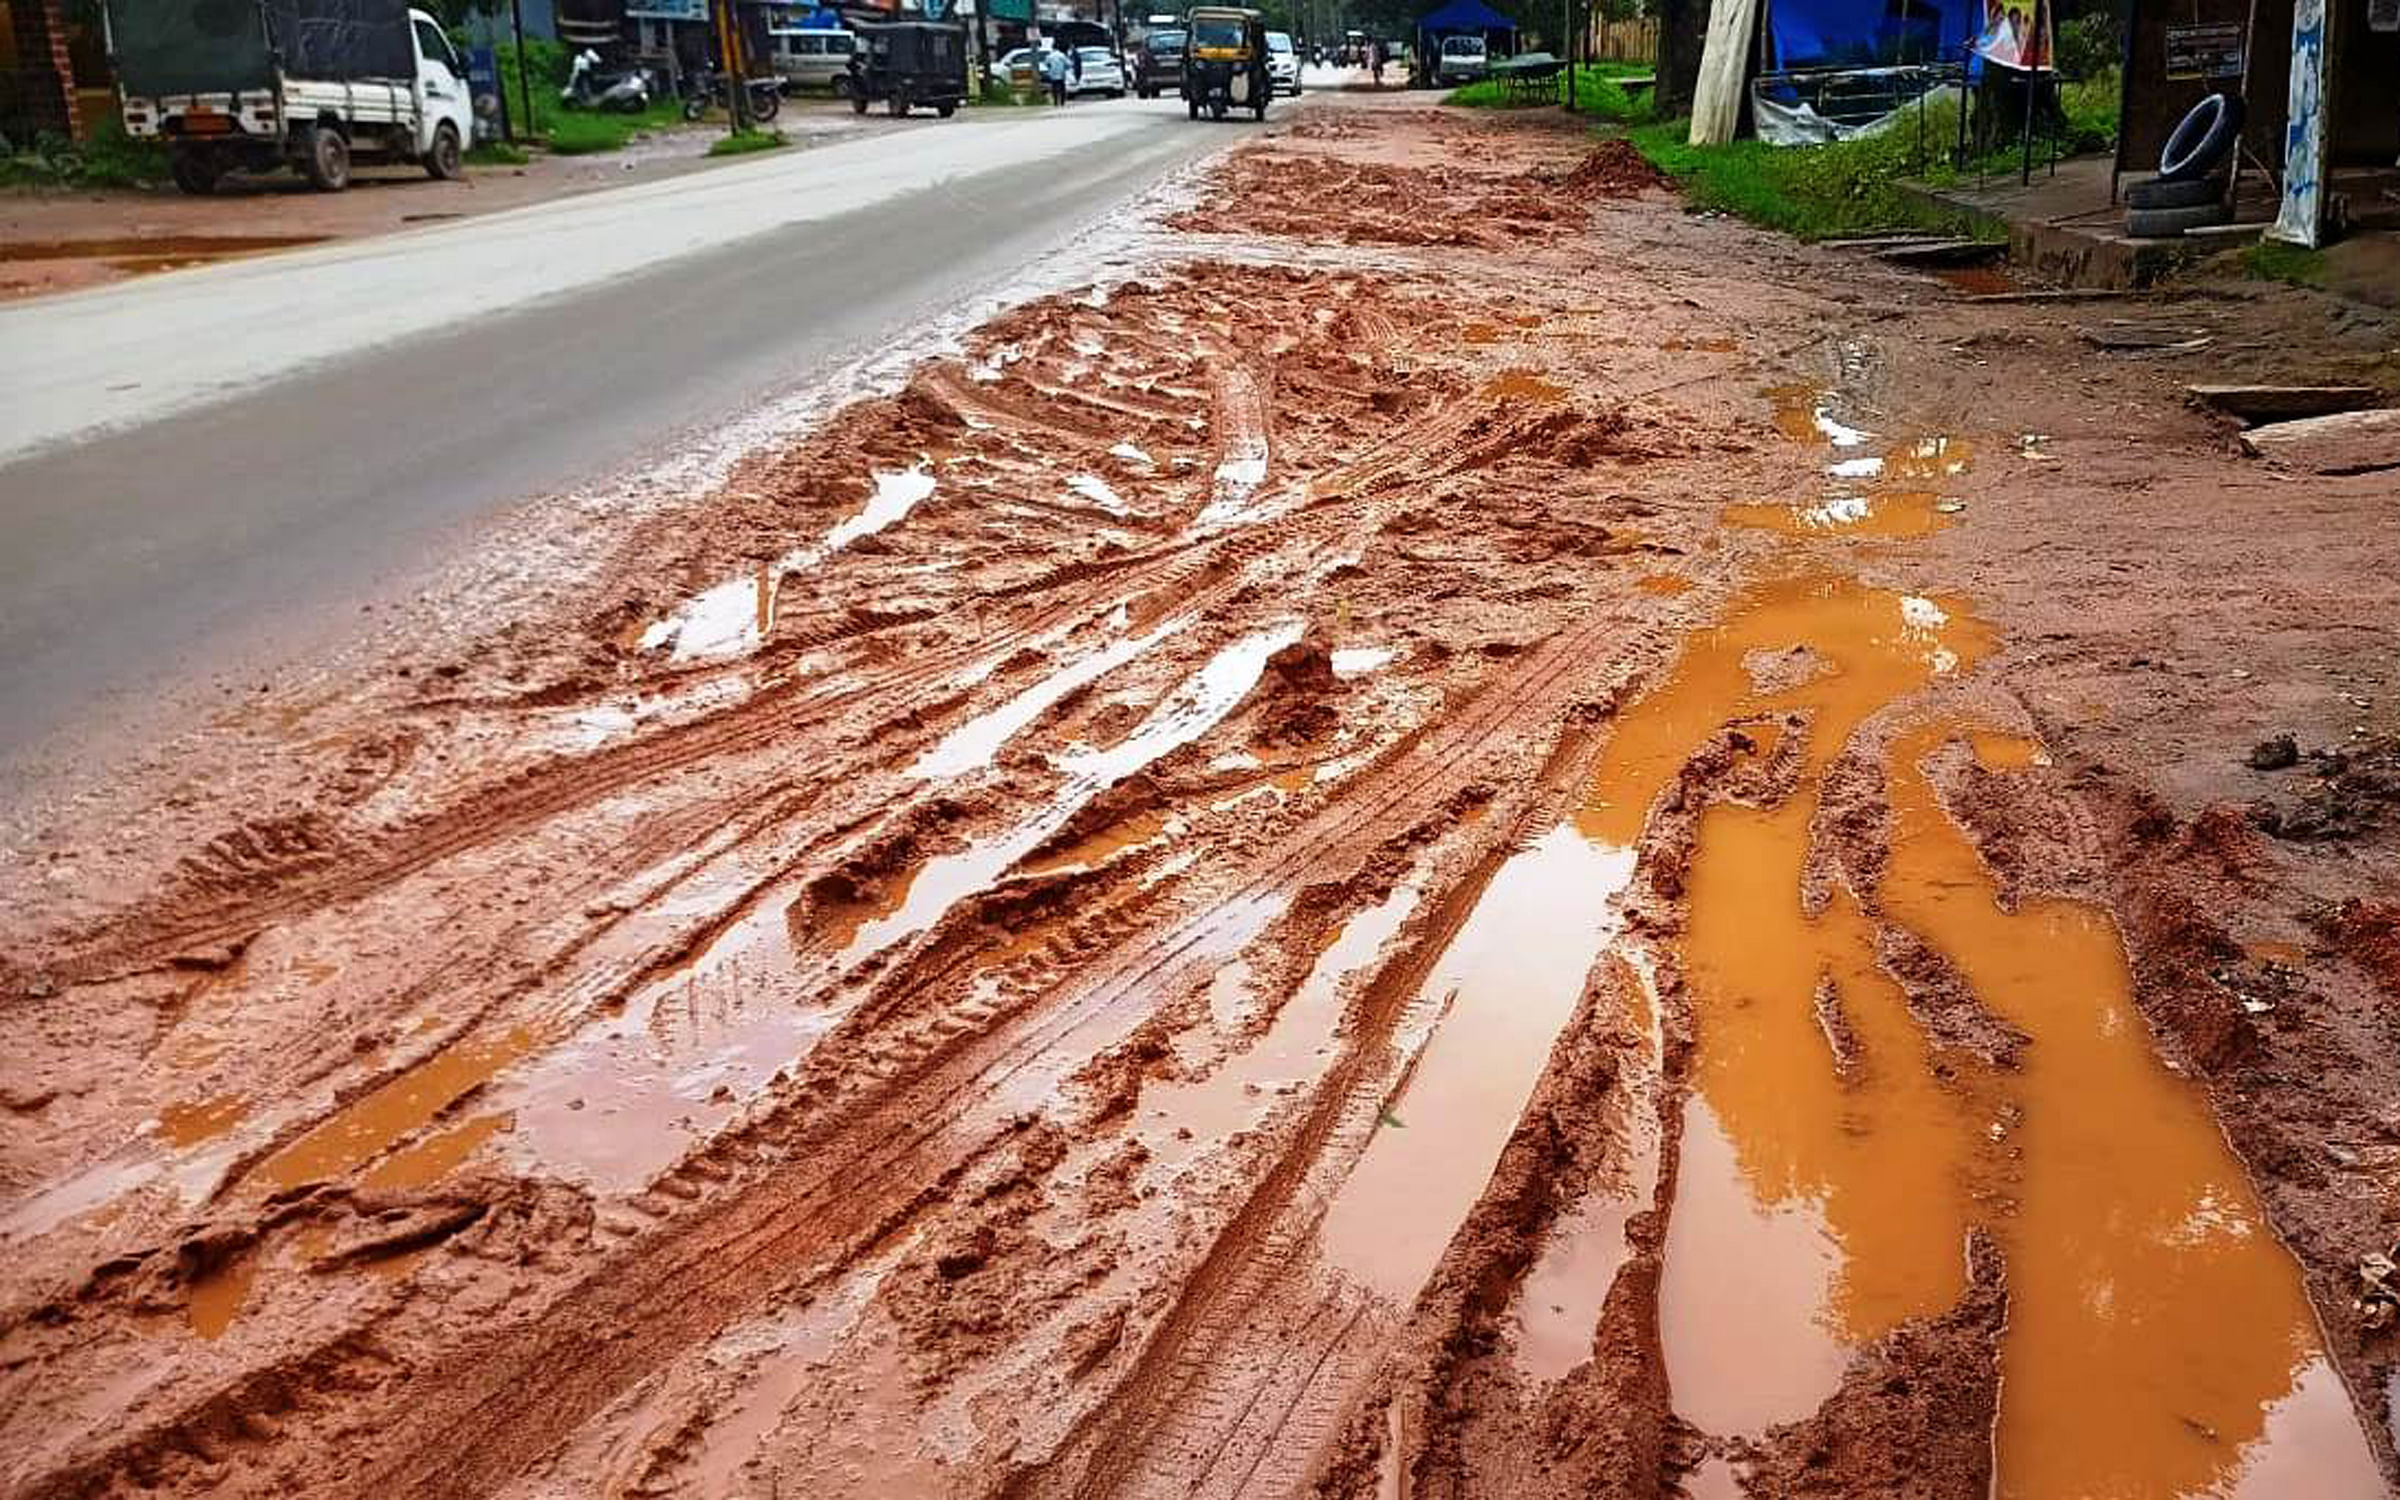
(108, 158)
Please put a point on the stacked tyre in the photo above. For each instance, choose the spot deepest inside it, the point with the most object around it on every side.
(2189, 191)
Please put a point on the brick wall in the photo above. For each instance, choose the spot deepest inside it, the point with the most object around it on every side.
(41, 83)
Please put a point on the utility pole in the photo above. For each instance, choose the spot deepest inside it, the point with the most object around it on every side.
(729, 51)
(516, 20)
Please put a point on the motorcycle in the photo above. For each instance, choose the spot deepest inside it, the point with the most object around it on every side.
(589, 88)
(708, 88)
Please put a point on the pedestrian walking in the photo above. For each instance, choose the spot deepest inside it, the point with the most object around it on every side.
(1054, 72)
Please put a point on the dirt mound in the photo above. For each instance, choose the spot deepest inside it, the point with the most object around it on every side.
(1614, 169)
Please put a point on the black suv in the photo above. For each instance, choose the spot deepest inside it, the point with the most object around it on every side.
(1158, 64)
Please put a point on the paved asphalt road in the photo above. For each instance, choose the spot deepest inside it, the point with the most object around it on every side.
(213, 467)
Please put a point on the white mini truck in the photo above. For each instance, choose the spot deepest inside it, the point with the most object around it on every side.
(252, 85)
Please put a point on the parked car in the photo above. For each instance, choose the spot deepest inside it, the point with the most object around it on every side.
(815, 59)
(1158, 66)
(1463, 59)
(1098, 72)
(1283, 63)
(244, 85)
(1019, 67)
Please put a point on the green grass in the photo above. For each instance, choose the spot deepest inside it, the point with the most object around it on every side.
(498, 154)
(587, 132)
(1597, 94)
(2273, 260)
(743, 142)
(1854, 187)
(1813, 192)
(108, 158)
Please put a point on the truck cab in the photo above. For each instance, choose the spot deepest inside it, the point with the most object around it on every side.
(311, 84)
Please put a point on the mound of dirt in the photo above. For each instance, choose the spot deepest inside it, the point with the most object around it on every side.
(1613, 170)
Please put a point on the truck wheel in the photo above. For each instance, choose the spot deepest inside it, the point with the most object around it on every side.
(194, 172)
(945, 109)
(441, 162)
(325, 158)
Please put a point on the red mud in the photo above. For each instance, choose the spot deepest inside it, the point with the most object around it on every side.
(885, 991)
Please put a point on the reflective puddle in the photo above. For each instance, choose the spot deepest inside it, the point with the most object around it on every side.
(1524, 385)
(1496, 998)
(1899, 514)
(736, 615)
(370, 1125)
(202, 1120)
(216, 1299)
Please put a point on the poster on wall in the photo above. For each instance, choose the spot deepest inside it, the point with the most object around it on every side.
(2016, 34)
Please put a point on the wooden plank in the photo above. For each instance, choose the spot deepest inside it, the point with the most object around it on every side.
(2282, 403)
(1724, 63)
(1945, 253)
(2351, 442)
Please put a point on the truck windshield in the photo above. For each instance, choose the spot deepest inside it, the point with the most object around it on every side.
(1217, 31)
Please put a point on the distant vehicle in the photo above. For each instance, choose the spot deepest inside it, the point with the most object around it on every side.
(704, 89)
(1463, 59)
(814, 58)
(1283, 63)
(910, 63)
(1225, 63)
(1098, 72)
(251, 85)
(1158, 65)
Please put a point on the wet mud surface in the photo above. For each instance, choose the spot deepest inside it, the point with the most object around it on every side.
(1452, 835)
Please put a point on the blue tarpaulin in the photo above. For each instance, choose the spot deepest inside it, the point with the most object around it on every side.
(1465, 15)
(1864, 33)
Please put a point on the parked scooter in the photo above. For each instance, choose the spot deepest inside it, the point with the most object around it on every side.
(707, 87)
(589, 88)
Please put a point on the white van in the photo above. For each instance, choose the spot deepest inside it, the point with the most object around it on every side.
(815, 59)
(1463, 60)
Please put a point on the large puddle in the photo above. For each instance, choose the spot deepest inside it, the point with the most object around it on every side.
(2158, 1340)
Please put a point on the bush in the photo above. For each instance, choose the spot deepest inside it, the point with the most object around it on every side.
(108, 158)
(2089, 46)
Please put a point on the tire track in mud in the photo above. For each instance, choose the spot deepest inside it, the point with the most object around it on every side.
(328, 874)
(868, 1166)
(1326, 516)
(1191, 1416)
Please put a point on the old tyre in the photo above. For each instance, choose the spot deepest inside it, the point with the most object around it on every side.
(326, 160)
(2154, 192)
(695, 106)
(765, 104)
(2205, 137)
(195, 172)
(441, 159)
(2167, 223)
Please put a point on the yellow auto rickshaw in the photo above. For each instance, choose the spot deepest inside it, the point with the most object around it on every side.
(1225, 62)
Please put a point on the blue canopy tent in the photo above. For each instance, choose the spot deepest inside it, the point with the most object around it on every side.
(1464, 18)
(1801, 35)
(1827, 67)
